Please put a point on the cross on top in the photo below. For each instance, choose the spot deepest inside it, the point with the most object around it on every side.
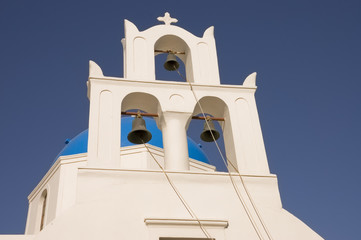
(167, 19)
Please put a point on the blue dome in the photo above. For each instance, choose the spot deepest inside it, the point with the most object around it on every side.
(79, 144)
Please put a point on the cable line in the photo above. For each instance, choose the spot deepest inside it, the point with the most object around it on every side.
(179, 195)
(230, 175)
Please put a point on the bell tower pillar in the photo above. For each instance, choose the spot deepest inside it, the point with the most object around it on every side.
(174, 125)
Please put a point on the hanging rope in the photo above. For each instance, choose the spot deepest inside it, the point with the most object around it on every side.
(230, 175)
(179, 195)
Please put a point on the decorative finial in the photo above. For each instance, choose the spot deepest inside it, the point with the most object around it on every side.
(167, 19)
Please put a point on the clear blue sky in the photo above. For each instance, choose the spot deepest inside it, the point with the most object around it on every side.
(306, 54)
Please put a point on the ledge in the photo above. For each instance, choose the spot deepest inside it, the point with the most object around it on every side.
(16, 237)
(188, 222)
(226, 174)
(173, 83)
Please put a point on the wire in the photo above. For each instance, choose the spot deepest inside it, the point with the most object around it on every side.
(179, 195)
(230, 175)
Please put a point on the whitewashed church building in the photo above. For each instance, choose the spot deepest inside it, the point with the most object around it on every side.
(135, 175)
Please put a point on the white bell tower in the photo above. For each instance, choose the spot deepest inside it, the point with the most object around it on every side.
(174, 102)
(116, 192)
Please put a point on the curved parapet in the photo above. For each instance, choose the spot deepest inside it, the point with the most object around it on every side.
(129, 27)
(250, 81)
(95, 70)
(209, 32)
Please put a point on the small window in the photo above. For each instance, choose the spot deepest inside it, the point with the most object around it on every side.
(43, 209)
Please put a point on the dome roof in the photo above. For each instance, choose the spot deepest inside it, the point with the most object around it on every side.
(79, 144)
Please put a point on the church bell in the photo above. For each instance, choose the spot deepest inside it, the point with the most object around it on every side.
(171, 64)
(139, 133)
(208, 131)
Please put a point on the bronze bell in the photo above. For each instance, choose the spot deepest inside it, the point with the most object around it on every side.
(139, 133)
(171, 64)
(207, 132)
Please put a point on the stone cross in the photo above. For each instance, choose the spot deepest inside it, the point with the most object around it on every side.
(167, 19)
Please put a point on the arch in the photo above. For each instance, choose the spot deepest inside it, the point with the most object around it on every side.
(216, 107)
(141, 100)
(211, 105)
(176, 44)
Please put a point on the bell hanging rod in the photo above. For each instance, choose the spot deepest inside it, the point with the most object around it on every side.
(207, 117)
(169, 51)
(156, 115)
(141, 114)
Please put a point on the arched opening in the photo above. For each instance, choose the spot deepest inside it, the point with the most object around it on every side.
(42, 205)
(142, 103)
(170, 44)
(214, 107)
(139, 125)
(195, 128)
